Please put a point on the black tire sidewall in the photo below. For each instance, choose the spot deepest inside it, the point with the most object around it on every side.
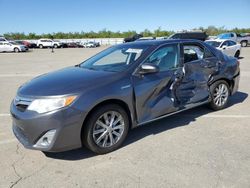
(244, 43)
(212, 89)
(87, 137)
(237, 54)
(16, 50)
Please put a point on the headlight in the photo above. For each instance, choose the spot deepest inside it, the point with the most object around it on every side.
(47, 105)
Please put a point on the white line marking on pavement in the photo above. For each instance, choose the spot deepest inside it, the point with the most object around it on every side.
(2, 115)
(7, 141)
(226, 116)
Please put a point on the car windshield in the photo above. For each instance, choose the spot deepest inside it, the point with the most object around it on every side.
(114, 59)
(14, 43)
(215, 44)
(224, 36)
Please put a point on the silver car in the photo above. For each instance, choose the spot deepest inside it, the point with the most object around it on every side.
(12, 47)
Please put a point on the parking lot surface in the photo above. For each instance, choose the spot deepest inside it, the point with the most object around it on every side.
(196, 148)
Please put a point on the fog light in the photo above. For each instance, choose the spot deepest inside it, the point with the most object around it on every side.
(45, 140)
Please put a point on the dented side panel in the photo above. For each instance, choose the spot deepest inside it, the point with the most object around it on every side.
(193, 88)
(154, 95)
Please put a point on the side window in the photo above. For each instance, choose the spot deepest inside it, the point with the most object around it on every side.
(231, 43)
(225, 43)
(193, 53)
(208, 53)
(166, 57)
(1, 43)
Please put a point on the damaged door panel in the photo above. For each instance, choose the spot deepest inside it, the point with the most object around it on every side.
(155, 93)
(199, 67)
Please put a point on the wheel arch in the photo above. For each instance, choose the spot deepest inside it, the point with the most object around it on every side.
(106, 102)
(229, 82)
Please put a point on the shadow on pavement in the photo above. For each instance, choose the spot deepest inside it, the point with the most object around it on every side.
(178, 120)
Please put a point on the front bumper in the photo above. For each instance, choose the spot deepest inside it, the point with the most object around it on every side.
(29, 127)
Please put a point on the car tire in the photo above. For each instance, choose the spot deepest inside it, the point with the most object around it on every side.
(55, 46)
(243, 43)
(237, 54)
(40, 46)
(16, 50)
(99, 135)
(220, 93)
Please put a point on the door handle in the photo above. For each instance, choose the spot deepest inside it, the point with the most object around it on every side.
(178, 75)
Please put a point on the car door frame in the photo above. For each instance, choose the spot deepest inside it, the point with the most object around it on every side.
(176, 73)
(203, 63)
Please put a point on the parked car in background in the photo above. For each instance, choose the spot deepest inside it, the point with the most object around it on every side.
(198, 35)
(145, 38)
(74, 45)
(12, 47)
(228, 47)
(230, 36)
(132, 38)
(243, 39)
(91, 44)
(3, 39)
(95, 103)
(26, 43)
(48, 43)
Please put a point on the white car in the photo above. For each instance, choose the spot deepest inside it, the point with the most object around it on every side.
(91, 44)
(48, 43)
(228, 47)
(12, 47)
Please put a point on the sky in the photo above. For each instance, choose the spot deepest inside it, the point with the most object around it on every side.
(47, 16)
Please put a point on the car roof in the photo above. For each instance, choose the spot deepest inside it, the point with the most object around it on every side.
(160, 42)
(220, 40)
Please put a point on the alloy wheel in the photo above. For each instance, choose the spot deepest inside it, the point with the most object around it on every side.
(108, 129)
(221, 94)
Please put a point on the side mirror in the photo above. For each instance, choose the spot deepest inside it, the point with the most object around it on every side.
(148, 68)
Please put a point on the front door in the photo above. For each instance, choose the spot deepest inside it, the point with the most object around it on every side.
(155, 92)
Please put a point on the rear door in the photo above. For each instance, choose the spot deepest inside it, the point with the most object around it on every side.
(154, 93)
(199, 65)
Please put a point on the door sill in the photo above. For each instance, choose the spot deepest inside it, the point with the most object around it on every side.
(188, 107)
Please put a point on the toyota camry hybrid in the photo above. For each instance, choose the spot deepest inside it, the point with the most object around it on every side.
(96, 103)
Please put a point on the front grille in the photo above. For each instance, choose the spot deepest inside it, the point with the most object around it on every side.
(22, 103)
(21, 107)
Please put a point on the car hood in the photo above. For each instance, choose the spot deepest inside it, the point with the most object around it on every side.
(71, 80)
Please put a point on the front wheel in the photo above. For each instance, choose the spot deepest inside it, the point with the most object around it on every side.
(243, 43)
(237, 54)
(16, 50)
(219, 94)
(106, 129)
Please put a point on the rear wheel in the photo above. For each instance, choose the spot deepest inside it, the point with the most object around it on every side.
(106, 129)
(40, 46)
(237, 54)
(220, 94)
(16, 50)
(55, 46)
(243, 43)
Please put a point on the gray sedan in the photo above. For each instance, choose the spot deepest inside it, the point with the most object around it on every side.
(98, 101)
